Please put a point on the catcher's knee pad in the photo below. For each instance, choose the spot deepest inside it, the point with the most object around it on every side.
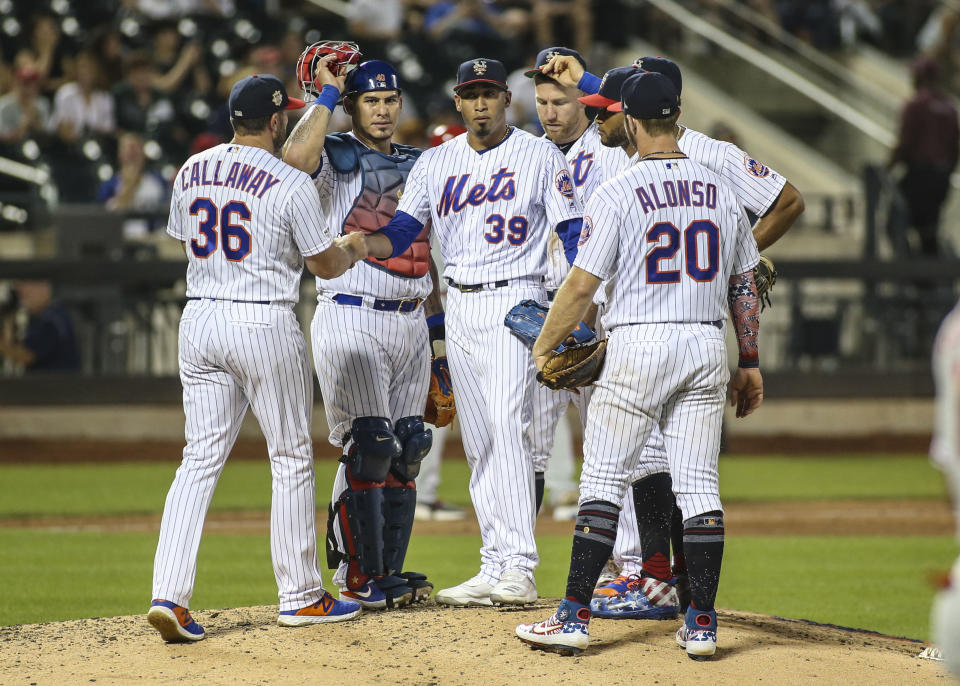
(374, 447)
(416, 443)
(399, 505)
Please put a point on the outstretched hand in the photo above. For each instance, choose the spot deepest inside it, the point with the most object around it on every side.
(746, 390)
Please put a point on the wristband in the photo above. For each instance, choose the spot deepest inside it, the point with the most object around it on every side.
(328, 97)
(749, 364)
(589, 83)
(435, 320)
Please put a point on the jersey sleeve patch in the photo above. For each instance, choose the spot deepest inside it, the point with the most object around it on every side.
(586, 230)
(564, 183)
(756, 168)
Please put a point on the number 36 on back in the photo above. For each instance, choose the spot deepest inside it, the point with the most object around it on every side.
(236, 238)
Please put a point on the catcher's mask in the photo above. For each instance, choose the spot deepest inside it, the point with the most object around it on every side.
(348, 56)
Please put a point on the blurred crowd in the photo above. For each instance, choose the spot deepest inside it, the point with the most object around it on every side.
(107, 98)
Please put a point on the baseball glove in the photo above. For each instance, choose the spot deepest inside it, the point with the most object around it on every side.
(577, 365)
(441, 408)
(525, 320)
(764, 275)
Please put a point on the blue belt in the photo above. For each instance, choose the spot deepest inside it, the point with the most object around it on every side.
(404, 305)
(225, 300)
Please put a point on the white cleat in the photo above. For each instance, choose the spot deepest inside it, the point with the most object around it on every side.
(472, 592)
(514, 588)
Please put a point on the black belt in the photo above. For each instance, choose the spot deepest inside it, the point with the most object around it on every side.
(225, 300)
(404, 305)
(551, 295)
(717, 323)
(474, 287)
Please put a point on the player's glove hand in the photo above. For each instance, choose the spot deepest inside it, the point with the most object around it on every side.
(575, 366)
(526, 319)
(441, 407)
(764, 275)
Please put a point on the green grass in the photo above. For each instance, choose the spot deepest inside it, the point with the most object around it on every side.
(51, 575)
(245, 485)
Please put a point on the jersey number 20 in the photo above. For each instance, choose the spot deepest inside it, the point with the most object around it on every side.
(236, 238)
(691, 251)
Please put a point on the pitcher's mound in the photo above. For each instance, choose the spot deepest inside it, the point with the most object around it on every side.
(436, 645)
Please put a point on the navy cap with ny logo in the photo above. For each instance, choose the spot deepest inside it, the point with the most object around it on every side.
(260, 95)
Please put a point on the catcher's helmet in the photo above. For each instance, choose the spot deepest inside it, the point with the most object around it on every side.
(444, 132)
(348, 56)
(372, 75)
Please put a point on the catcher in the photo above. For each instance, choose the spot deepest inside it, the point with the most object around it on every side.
(373, 332)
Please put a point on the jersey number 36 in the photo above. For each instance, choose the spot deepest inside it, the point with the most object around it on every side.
(236, 238)
(691, 251)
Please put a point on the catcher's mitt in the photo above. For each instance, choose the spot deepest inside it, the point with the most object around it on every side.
(348, 56)
(441, 408)
(764, 275)
(578, 365)
(525, 320)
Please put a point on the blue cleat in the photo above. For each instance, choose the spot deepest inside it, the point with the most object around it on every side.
(698, 633)
(174, 622)
(567, 632)
(643, 598)
(327, 609)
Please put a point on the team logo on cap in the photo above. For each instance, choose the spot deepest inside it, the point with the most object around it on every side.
(756, 168)
(480, 67)
(382, 78)
(552, 54)
(638, 63)
(564, 183)
(277, 98)
(586, 229)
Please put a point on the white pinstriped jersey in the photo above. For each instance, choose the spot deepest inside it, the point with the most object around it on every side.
(591, 163)
(492, 210)
(247, 218)
(338, 195)
(945, 447)
(667, 234)
(756, 185)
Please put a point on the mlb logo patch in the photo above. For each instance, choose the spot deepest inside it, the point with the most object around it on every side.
(564, 183)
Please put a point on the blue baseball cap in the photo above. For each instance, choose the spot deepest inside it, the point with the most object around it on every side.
(372, 75)
(610, 86)
(662, 65)
(481, 70)
(548, 54)
(260, 95)
(648, 95)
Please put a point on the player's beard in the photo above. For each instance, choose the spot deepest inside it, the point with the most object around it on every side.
(616, 138)
(279, 137)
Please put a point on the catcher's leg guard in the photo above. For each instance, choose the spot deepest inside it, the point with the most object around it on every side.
(360, 507)
(400, 501)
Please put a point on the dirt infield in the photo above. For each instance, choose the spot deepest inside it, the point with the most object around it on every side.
(434, 645)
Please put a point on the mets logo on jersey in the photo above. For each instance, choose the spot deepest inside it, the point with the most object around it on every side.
(586, 229)
(277, 98)
(755, 168)
(564, 183)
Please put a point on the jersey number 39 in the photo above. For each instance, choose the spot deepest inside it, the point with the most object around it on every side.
(236, 238)
(691, 251)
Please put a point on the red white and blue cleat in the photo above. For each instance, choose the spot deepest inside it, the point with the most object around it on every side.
(327, 609)
(641, 598)
(566, 632)
(698, 635)
(174, 622)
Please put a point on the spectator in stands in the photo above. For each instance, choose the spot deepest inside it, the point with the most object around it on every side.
(79, 108)
(134, 186)
(929, 145)
(49, 343)
(48, 48)
(180, 67)
(23, 111)
(576, 14)
(140, 107)
(174, 9)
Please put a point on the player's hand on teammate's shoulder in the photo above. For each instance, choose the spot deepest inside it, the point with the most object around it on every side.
(324, 76)
(746, 390)
(354, 244)
(565, 69)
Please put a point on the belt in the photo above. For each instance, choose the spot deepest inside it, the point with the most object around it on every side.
(225, 300)
(474, 287)
(551, 295)
(403, 305)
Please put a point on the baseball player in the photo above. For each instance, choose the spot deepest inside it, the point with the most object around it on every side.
(644, 554)
(671, 240)
(494, 195)
(945, 451)
(247, 222)
(565, 123)
(371, 344)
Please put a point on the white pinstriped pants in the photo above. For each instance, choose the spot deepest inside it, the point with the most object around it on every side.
(234, 356)
(369, 364)
(669, 375)
(493, 377)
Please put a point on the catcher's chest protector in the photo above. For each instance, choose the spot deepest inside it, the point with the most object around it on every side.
(383, 178)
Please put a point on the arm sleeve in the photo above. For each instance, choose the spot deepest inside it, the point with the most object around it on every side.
(415, 201)
(745, 256)
(600, 236)
(756, 185)
(175, 225)
(304, 218)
